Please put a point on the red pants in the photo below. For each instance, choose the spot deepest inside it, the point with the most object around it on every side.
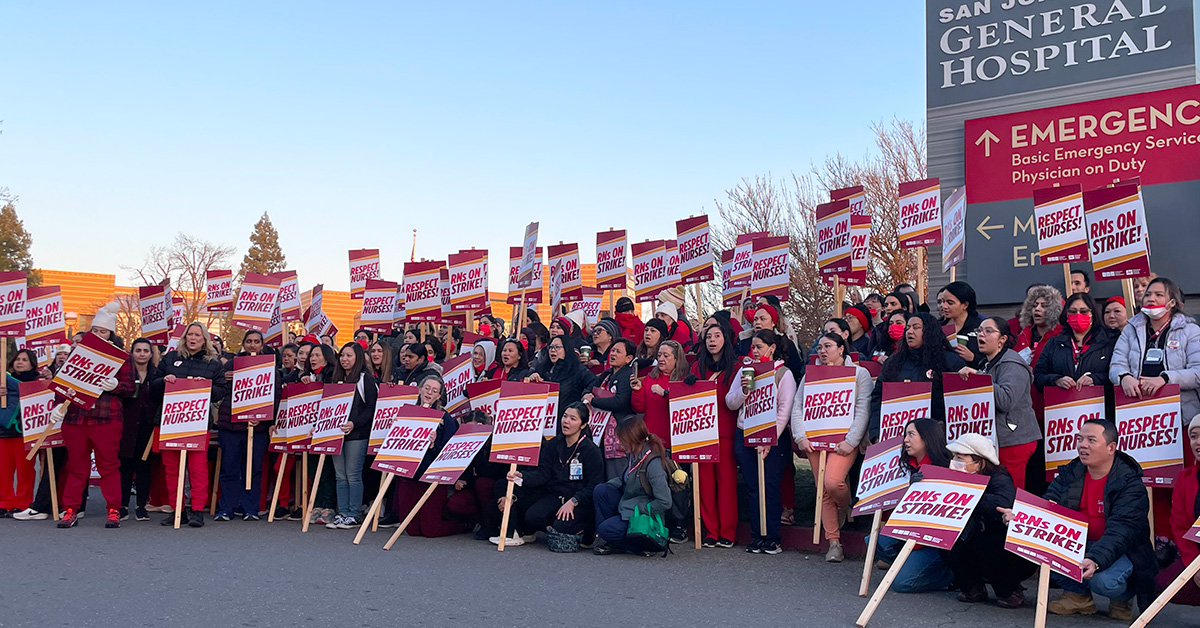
(103, 440)
(285, 488)
(197, 473)
(428, 522)
(15, 468)
(1015, 459)
(718, 493)
(476, 503)
(158, 485)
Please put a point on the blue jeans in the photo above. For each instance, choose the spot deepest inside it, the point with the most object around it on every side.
(1112, 583)
(747, 459)
(348, 469)
(234, 495)
(925, 569)
(609, 524)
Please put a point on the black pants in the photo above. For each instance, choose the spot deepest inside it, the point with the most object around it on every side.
(135, 470)
(534, 513)
(982, 559)
(41, 500)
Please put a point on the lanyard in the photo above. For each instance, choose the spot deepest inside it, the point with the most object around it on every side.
(1077, 350)
(573, 450)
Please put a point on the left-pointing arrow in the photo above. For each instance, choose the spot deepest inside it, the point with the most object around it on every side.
(983, 227)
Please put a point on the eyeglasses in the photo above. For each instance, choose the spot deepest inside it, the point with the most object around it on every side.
(989, 331)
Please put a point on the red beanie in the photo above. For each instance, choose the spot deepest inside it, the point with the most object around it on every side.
(1120, 300)
(311, 338)
(862, 318)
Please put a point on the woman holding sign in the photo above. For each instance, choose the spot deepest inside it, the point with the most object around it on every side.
(833, 350)
(429, 521)
(1016, 428)
(718, 482)
(564, 369)
(232, 435)
(923, 356)
(1081, 354)
(137, 428)
(956, 305)
(15, 470)
(513, 366)
(1160, 345)
(348, 465)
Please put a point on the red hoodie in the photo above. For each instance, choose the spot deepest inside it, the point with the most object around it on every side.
(1183, 503)
(631, 326)
(656, 409)
(726, 418)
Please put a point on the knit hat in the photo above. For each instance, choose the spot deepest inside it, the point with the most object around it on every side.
(1120, 300)
(658, 324)
(1195, 423)
(669, 309)
(565, 323)
(864, 319)
(673, 296)
(311, 339)
(62, 349)
(577, 317)
(624, 304)
(106, 317)
(610, 326)
(974, 445)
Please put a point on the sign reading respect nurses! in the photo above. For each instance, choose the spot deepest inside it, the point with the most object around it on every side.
(256, 301)
(423, 292)
(334, 411)
(590, 304)
(218, 290)
(155, 308)
(185, 415)
(312, 316)
(364, 265)
(760, 409)
(411, 434)
(611, 269)
(649, 269)
(1116, 228)
(920, 221)
(253, 388)
(304, 403)
(743, 258)
(532, 291)
(1061, 228)
(37, 400)
(1150, 430)
(883, 478)
(694, 434)
(771, 274)
(484, 396)
(289, 295)
(279, 431)
(731, 295)
(378, 306)
(44, 323)
(564, 260)
(970, 406)
(855, 195)
(1044, 532)
(517, 429)
(902, 402)
(458, 454)
(274, 335)
(91, 362)
(468, 280)
(1066, 412)
(456, 374)
(12, 303)
(392, 397)
(829, 396)
(954, 229)
(833, 239)
(934, 511)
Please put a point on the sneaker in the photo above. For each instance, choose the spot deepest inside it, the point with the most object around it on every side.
(30, 514)
(708, 542)
(678, 536)
(169, 520)
(882, 565)
(124, 513)
(68, 519)
(281, 512)
(724, 543)
(140, 514)
(390, 520)
(326, 516)
(788, 516)
(296, 514)
(251, 517)
(771, 547)
(348, 523)
(602, 550)
(1073, 604)
(196, 519)
(1016, 600)
(5, 513)
(221, 516)
(114, 518)
(484, 533)
(78, 514)
(754, 547)
(1120, 610)
(974, 595)
(333, 524)
(152, 508)
(513, 541)
(835, 553)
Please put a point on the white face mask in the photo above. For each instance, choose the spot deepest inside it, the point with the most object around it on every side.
(1155, 312)
(958, 465)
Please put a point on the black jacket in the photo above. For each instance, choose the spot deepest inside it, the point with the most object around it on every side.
(910, 371)
(621, 403)
(362, 408)
(516, 375)
(1126, 519)
(987, 523)
(572, 377)
(414, 377)
(552, 475)
(173, 363)
(1058, 359)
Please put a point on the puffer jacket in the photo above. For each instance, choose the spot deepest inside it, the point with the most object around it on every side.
(1182, 359)
(1058, 359)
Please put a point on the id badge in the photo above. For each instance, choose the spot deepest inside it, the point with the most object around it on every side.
(1154, 355)
(576, 469)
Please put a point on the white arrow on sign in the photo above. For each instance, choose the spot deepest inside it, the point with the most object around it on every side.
(987, 138)
(983, 227)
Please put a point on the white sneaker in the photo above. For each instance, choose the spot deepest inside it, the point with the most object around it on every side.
(513, 541)
(30, 514)
(333, 525)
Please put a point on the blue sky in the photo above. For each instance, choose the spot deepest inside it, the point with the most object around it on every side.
(352, 126)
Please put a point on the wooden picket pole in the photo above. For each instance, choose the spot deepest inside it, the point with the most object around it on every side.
(508, 496)
(1067, 278)
(839, 294)
(952, 272)
(312, 499)
(249, 454)
(922, 271)
(216, 485)
(304, 482)
(179, 487)
(1150, 514)
(53, 483)
(37, 444)
(872, 545)
(1127, 289)
(1039, 618)
(421, 502)
(373, 513)
(278, 485)
(886, 583)
(1163, 598)
(696, 501)
(149, 447)
(820, 475)
(762, 495)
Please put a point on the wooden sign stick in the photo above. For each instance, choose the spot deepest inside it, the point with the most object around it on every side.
(820, 496)
(512, 468)
(890, 576)
(839, 294)
(46, 432)
(373, 513)
(278, 484)
(304, 482)
(872, 544)
(179, 487)
(383, 486)
(1150, 496)
(1067, 277)
(1039, 620)
(1163, 598)
(312, 499)
(1127, 289)
(421, 502)
(249, 454)
(53, 483)
(696, 502)
(762, 495)
(148, 449)
(921, 270)
(216, 485)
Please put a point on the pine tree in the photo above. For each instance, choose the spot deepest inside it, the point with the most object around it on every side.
(264, 256)
(14, 245)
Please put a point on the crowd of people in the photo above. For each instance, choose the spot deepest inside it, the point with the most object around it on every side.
(588, 487)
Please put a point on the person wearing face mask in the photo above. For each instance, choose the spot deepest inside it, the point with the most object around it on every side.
(1081, 354)
(978, 556)
(1116, 314)
(874, 303)
(889, 336)
(923, 356)
(1160, 345)
(1016, 428)
(1185, 510)
(1039, 319)
(768, 316)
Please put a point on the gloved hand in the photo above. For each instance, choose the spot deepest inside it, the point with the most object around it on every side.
(109, 384)
(690, 380)
(58, 413)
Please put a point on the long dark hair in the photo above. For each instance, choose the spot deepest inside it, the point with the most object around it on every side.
(384, 373)
(331, 361)
(633, 433)
(930, 357)
(355, 373)
(964, 293)
(934, 436)
(726, 363)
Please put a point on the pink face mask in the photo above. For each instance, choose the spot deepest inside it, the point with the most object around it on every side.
(896, 331)
(1079, 322)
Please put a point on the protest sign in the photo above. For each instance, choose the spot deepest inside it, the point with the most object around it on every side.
(1061, 228)
(517, 429)
(401, 311)
(730, 294)
(379, 305)
(550, 427)
(279, 431)
(333, 412)
(176, 336)
(391, 398)
(37, 400)
(855, 196)
(304, 403)
(529, 256)
(770, 274)
(760, 409)
(860, 248)
(1046, 533)
(1066, 411)
(564, 260)
(468, 342)
(289, 295)
(44, 323)
(91, 362)
(649, 269)
(920, 222)
(604, 427)
(176, 309)
(611, 269)
(1116, 227)
(833, 239)
(1150, 431)
(484, 395)
(468, 280)
(255, 302)
(532, 293)
(274, 335)
(590, 304)
(12, 303)
(934, 511)
(954, 229)
(901, 403)
(970, 406)
(458, 454)
(694, 434)
(364, 265)
(312, 316)
(1187, 575)
(883, 478)
(155, 308)
(218, 290)
(448, 317)
(672, 257)
(456, 374)
(829, 397)
(185, 415)
(423, 292)
(743, 258)
(253, 388)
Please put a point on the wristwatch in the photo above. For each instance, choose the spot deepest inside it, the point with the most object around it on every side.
(1165, 378)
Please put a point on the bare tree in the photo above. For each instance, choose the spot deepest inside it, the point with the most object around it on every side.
(129, 316)
(185, 262)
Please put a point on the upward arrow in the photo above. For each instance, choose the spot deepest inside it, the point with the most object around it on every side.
(987, 137)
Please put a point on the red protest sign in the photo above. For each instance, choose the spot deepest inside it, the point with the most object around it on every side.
(468, 280)
(379, 305)
(364, 265)
(37, 400)
(743, 258)
(694, 432)
(410, 436)
(253, 388)
(860, 250)
(1150, 431)
(289, 295)
(155, 308)
(333, 412)
(1193, 533)
(760, 410)
(770, 275)
(484, 395)
(185, 415)
(590, 304)
(611, 270)
(604, 427)
(672, 257)
(550, 427)
(934, 511)
(218, 290)
(44, 322)
(1046, 533)
(649, 269)
(533, 291)
(456, 374)
(1061, 228)
(954, 229)
(423, 292)
(731, 295)
(279, 431)
(564, 263)
(829, 396)
(12, 303)
(970, 405)
(303, 406)
(883, 478)
(91, 362)
(1066, 411)
(901, 403)
(1116, 227)
(529, 255)
(833, 238)
(391, 398)
(517, 429)
(256, 301)
(448, 317)
(457, 455)
(920, 221)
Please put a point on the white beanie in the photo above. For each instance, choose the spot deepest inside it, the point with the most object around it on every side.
(669, 309)
(106, 317)
(1195, 423)
(577, 317)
